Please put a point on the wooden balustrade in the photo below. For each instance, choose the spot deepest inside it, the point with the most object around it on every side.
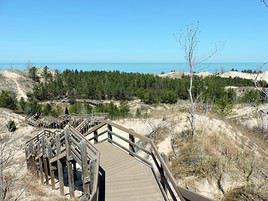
(66, 149)
(55, 150)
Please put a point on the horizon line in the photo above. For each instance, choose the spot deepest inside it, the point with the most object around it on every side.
(73, 62)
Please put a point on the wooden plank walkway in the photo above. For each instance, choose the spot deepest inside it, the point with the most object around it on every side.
(114, 168)
(126, 178)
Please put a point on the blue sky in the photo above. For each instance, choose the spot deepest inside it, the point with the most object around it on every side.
(130, 30)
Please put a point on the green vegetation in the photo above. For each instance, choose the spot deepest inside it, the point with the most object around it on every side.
(251, 96)
(32, 73)
(46, 74)
(251, 71)
(224, 104)
(8, 100)
(101, 85)
(245, 193)
(138, 113)
(11, 126)
(112, 109)
(247, 71)
(49, 110)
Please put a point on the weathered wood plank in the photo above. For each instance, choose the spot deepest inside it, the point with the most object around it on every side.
(126, 178)
(69, 161)
(162, 173)
(45, 161)
(40, 163)
(59, 165)
(51, 167)
(85, 168)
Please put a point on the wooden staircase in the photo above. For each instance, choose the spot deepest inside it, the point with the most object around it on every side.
(114, 164)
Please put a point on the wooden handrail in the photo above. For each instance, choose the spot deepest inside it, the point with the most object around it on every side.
(167, 171)
(39, 135)
(168, 174)
(192, 196)
(98, 126)
(64, 150)
(131, 132)
(167, 182)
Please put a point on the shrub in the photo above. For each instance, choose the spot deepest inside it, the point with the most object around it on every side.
(168, 97)
(251, 96)
(11, 126)
(32, 73)
(22, 104)
(32, 107)
(244, 193)
(75, 108)
(138, 113)
(224, 104)
(8, 100)
(47, 109)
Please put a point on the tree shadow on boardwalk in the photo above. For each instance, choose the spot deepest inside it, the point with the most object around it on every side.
(102, 185)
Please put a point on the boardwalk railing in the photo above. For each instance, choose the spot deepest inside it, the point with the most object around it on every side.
(71, 146)
(50, 151)
(130, 141)
(60, 122)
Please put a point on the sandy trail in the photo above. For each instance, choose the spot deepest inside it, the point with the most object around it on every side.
(14, 77)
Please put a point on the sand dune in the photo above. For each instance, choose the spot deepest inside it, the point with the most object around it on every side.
(232, 74)
(15, 82)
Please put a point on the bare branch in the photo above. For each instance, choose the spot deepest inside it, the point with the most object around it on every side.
(265, 3)
(257, 78)
(189, 42)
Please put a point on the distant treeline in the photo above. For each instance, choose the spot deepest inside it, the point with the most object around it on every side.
(247, 71)
(116, 85)
(101, 85)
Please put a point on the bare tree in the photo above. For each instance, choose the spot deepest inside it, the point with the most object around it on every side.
(10, 174)
(260, 113)
(6, 156)
(189, 41)
(265, 3)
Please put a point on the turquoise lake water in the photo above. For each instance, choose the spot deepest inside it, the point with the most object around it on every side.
(138, 67)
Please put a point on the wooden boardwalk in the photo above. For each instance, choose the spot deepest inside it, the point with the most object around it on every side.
(126, 177)
(115, 165)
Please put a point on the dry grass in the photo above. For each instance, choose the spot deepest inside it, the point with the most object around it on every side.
(196, 157)
(32, 186)
(245, 193)
(160, 134)
(216, 159)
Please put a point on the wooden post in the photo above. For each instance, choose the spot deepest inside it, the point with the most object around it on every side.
(110, 130)
(40, 163)
(131, 147)
(30, 160)
(85, 170)
(162, 172)
(96, 140)
(69, 161)
(92, 172)
(45, 161)
(51, 167)
(59, 165)
(34, 163)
